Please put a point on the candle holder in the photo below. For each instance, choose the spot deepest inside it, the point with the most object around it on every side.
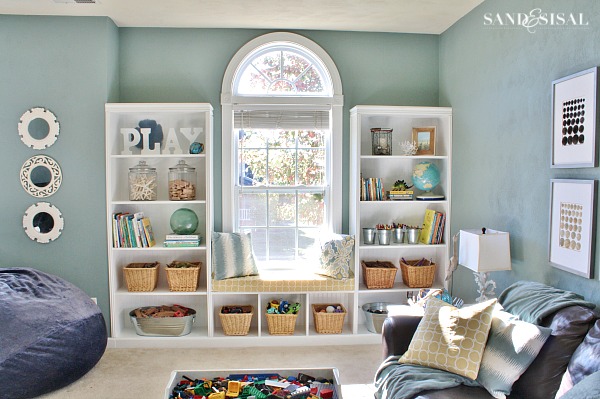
(382, 141)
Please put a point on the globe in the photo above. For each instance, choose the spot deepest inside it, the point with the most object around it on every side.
(184, 221)
(426, 177)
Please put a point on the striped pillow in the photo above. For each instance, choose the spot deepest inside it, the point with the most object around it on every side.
(232, 255)
(512, 346)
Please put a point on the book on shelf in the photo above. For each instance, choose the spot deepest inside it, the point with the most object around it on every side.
(371, 189)
(182, 237)
(433, 227)
(132, 230)
(178, 244)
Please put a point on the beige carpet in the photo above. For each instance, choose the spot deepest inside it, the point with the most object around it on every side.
(144, 373)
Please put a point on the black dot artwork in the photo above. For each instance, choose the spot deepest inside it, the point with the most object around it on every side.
(573, 118)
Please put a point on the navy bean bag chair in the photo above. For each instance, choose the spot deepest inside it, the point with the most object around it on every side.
(51, 333)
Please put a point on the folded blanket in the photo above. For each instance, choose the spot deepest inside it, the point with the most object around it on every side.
(394, 380)
(533, 301)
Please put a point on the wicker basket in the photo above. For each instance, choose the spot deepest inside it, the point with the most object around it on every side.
(378, 274)
(328, 323)
(417, 276)
(183, 279)
(237, 323)
(281, 324)
(140, 277)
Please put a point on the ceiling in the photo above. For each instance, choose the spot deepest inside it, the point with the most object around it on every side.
(406, 16)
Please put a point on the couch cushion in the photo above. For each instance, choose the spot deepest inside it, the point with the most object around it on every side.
(542, 379)
(232, 255)
(585, 360)
(511, 347)
(451, 339)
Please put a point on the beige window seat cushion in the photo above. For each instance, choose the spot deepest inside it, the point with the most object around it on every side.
(282, 281)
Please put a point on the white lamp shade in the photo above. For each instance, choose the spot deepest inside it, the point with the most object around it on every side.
(484, 252)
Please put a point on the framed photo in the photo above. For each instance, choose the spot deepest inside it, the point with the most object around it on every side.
(572, 218)
(574, 101)
(425, 139)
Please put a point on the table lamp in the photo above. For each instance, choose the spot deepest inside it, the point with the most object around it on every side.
(484, 251)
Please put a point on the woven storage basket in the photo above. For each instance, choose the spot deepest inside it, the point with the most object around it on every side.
(236, 323)
(378, 274)
(281, 324)
(417, 276)
(328, 323)
(140, 278)
(183, 279)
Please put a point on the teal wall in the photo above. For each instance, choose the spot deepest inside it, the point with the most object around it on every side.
(74, 65)
(498, 82)
(69, 66)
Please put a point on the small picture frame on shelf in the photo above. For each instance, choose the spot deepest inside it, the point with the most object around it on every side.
(572, 225)
(574, 99)
(425, 139)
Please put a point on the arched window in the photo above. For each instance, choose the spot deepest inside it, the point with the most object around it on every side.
(282, 119)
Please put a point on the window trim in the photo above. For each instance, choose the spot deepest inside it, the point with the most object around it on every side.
(230, 102)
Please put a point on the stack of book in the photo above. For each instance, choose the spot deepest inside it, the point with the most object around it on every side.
(371, 189)
(433, 227)
(396, 195)
(132, 230)
(182, 240)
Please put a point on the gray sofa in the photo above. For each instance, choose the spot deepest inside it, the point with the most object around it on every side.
(571, 355)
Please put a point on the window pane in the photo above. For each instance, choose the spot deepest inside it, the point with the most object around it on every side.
(282, 209)
(293, 65)
(253, 138)
(252, 167)
(308, 244)
(311, 138)
(259, 244)
(252, 82)
(252, 209)
(310, 82)
(282, 138)
(282, 86)
(269, 65)
(311, 209)
(282, 167)
(311, 167)
(282, 243)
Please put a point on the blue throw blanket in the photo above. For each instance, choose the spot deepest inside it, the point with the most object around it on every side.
(533, 301)
(396, 380)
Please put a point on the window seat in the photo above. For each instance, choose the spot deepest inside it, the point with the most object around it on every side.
(282, 281)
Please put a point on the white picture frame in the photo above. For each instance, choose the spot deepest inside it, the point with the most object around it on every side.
(572, 225)
(574, 102)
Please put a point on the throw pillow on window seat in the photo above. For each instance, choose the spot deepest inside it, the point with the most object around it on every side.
(336, 257)
(451, 339)
(232, 255)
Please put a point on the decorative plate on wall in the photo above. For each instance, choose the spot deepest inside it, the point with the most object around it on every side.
(43, 222)
(38, 128)
(40, 176)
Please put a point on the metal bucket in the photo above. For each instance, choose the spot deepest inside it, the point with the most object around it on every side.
(369, 235)
(374, 319)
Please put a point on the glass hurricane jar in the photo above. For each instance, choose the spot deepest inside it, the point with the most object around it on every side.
(142, 182)
(182, 182)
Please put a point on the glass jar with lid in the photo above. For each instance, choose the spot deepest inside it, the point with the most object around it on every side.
(182, 182)
(142, 182)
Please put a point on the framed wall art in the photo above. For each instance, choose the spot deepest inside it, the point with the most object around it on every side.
(425, 139)
(572, 216)
(574, 101)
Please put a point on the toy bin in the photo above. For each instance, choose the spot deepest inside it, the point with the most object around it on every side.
(328, 323)
(234, 322)
(378, 274)
(141, 277)
(417, 273)
(183, 276)
(281, 324)
(162, 326)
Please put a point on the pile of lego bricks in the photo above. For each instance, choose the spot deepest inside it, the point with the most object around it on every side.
(255, 386)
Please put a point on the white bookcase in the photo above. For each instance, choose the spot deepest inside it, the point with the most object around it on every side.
(391, 168)
(207, 330)
(174, 118)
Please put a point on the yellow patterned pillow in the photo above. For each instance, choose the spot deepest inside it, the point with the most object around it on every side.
(451, 339)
